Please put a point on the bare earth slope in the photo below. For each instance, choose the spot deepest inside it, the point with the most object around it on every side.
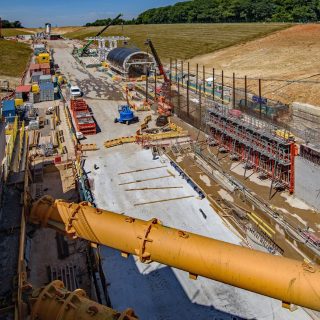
(292, 54)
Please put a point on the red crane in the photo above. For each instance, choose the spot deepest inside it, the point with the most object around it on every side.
(158, 61)
(164, 109)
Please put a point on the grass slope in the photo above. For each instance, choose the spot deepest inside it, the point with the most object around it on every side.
(13, 58)
(11, 32)
(185, 41)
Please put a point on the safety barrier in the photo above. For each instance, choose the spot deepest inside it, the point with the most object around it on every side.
(145, 138)
(119, 141)
(21, 141)
(12, 133)
(87, 147)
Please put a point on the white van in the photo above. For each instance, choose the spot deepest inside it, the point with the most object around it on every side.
(75, 91)
(79, 135)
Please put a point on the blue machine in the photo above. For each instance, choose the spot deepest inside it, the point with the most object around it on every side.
(126, 115)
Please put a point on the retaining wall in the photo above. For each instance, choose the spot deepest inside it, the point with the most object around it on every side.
(307, 182)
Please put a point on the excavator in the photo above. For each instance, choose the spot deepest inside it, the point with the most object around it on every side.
(290, 281)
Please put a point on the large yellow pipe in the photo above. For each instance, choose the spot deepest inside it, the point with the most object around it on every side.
(291, 281)
(55, 302)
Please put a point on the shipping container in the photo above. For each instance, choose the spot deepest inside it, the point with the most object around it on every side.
(36, 76)
(18, 102)
(46, 92)
(45, 79)
(34, 97)
(10, 119)
(34, 67)
(8, 108)
(45, 68)
(39, 48)
(35, 88)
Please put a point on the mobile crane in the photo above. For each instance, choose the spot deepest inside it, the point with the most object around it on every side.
(165, 109)
(288, 280)
(84, 49)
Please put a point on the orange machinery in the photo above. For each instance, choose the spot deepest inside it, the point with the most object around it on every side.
(54, 302)
(291, 281)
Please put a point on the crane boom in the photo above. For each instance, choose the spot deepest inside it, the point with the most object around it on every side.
(158, 61)
(85, 48)
(291, 281)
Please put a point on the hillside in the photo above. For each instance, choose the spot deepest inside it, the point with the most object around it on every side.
(291, 54)
(205, 11)
(185, 41)
(11, 32)
(13, 58)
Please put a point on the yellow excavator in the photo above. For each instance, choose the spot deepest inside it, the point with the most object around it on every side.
(290, 281)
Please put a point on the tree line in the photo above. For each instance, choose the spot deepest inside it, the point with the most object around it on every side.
(8, 24)
(228, 11)
(205, 11)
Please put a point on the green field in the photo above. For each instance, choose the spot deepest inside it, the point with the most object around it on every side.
(185, 41)
(14, 57)
(11, 32)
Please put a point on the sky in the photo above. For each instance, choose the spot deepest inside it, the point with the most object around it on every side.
(35, 13)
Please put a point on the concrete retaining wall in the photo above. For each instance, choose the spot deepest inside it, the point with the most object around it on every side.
(307, 182)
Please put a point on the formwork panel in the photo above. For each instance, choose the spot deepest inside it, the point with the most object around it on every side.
(254, 142)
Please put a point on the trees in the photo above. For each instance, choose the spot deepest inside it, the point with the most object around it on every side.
(214, 11)
(8, 24)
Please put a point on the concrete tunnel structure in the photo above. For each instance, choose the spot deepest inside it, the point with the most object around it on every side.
(288, 280)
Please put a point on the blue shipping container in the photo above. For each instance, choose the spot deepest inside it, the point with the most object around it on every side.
(8, 108)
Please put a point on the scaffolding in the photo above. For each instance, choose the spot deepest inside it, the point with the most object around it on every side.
(253, 142)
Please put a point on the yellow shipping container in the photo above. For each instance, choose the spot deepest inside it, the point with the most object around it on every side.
(35, 88)
(18, 102)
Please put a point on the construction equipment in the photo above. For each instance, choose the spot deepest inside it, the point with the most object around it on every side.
(158, 61)
(55, 302)
(146, 138)
(162, 121)
(291, 281)
(126, 115)
(85, 48)
(164, 109)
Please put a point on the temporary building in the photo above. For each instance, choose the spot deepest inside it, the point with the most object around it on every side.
(22, 92)
(46, 92)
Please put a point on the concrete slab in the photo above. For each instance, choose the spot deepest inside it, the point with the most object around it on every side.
(156, 291)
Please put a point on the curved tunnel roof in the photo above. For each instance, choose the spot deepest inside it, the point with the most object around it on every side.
(118, 56)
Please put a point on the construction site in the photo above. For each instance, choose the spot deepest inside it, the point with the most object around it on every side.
(137, 189)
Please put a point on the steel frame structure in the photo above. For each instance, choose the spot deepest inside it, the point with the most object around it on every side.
(253, 142)
(103, 50)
